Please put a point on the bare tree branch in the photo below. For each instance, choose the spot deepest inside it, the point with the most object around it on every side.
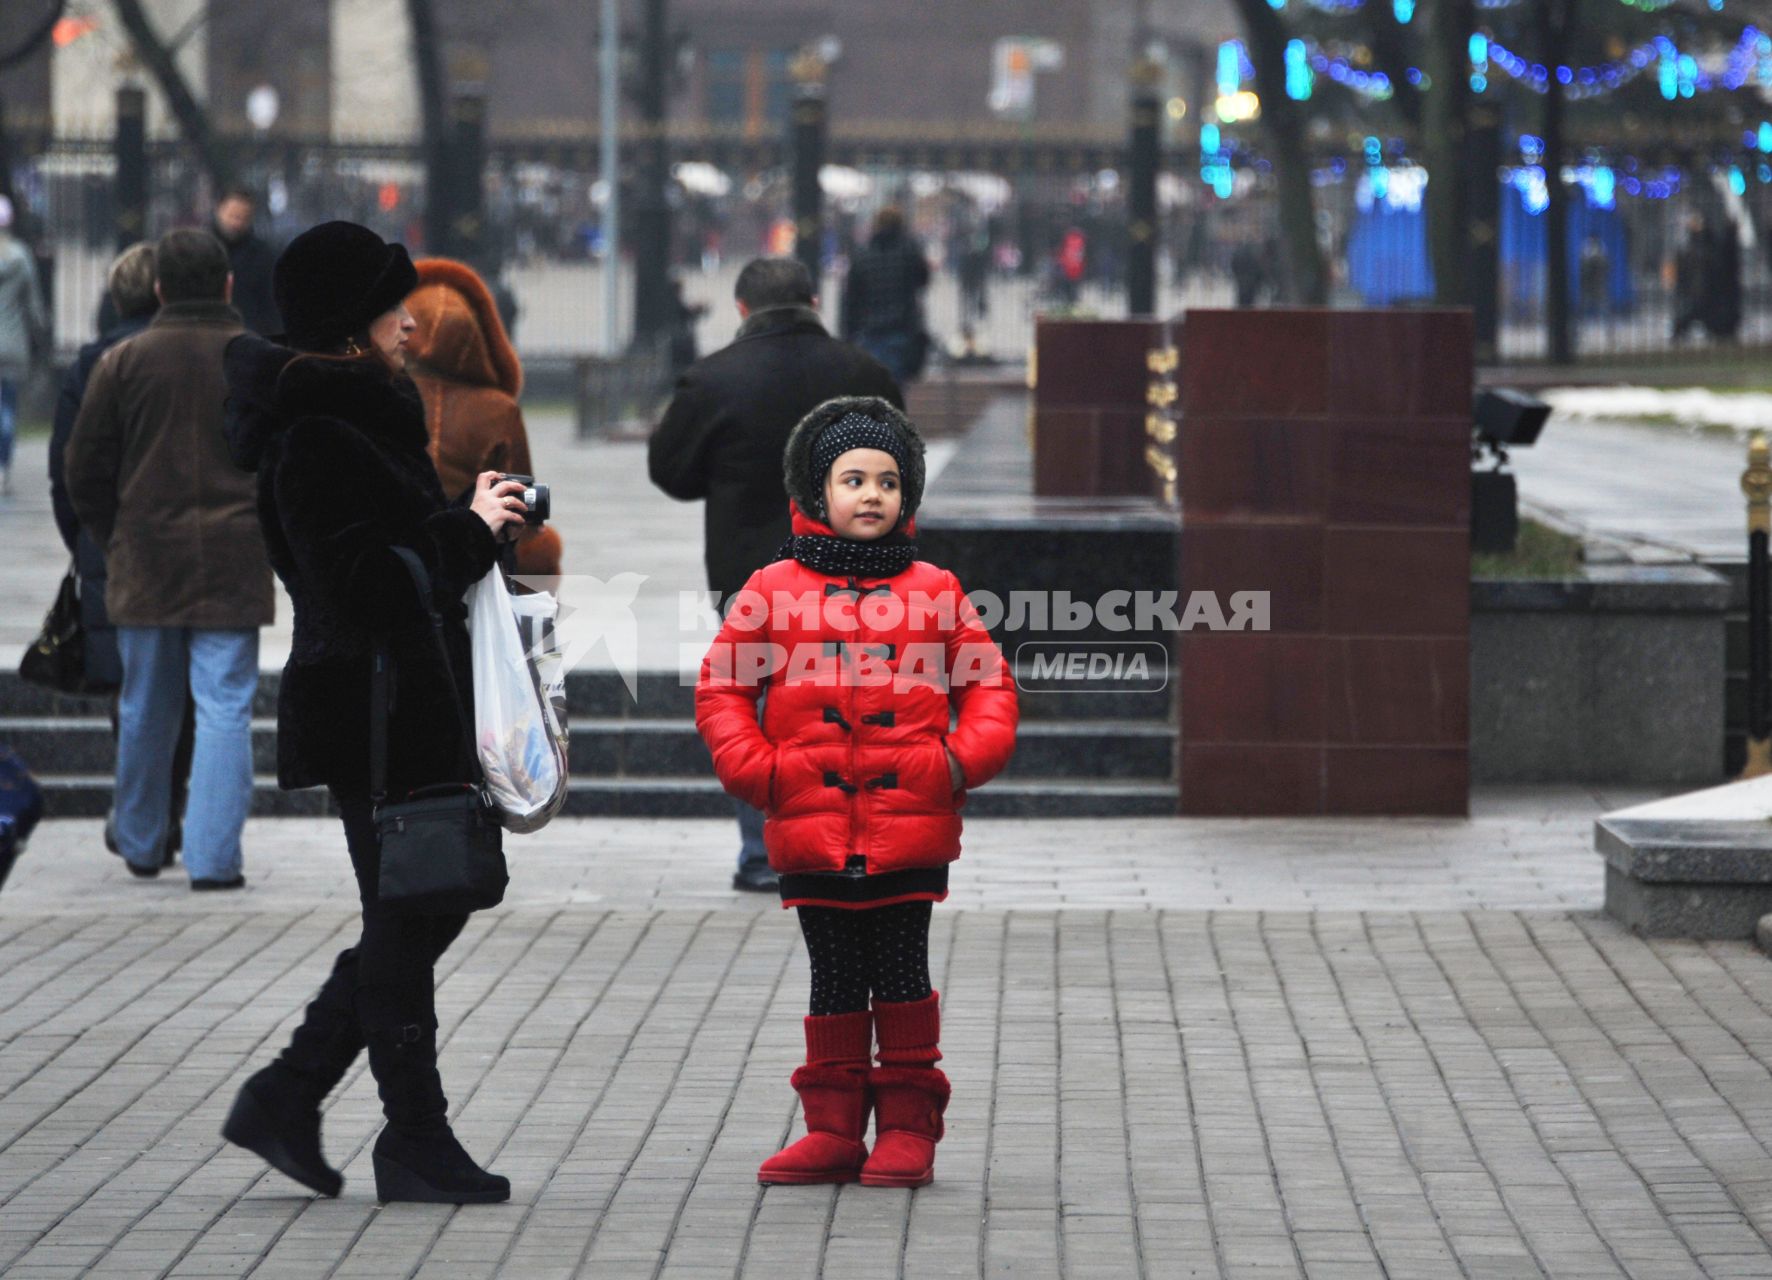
(1393, 46)
(1286, 123)
(192, 117)
(427, 56)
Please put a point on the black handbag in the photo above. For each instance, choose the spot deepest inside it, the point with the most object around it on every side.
(442, 849)
(56, 659)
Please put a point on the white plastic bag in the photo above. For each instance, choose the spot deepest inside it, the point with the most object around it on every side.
(519, 702)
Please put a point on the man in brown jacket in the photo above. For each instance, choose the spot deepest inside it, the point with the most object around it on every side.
(149, 475)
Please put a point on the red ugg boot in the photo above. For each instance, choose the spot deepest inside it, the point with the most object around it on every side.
(833, 1089)
(910, 1094)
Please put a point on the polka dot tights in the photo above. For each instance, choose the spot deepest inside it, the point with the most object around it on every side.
(884, 950)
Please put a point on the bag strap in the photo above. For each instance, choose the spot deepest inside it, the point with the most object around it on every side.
(380, 674)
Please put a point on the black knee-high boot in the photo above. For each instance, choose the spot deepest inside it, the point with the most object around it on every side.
(417, 1156)
(276, 1114)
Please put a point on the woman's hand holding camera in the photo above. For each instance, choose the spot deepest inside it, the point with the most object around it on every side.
(498, 503)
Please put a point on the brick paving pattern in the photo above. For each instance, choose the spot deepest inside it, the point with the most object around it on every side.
(1179, 1048)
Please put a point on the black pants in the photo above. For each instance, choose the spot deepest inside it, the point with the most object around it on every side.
(396, 948)
(381, 989)
(878, 950)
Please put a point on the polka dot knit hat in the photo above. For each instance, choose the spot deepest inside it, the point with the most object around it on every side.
(856, 431)
(851, 422)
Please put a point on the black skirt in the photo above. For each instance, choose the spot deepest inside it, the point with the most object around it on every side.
(854, 889)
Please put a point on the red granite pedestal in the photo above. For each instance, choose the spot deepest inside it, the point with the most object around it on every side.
(1089, 408)
(1325, 458)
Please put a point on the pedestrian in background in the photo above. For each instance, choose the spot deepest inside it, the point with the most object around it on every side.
(24, 333)
(469, 376)
(188, 585)
(1722, 281)
(130, 288)
(1249, 272)
(1692, 266)
(336, 434)
(861, 777)
(882, 311)
(722, 436)
(1594, 265)
(249, 257)
(131, 294)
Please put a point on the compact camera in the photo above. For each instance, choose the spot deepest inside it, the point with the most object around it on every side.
(536, 497)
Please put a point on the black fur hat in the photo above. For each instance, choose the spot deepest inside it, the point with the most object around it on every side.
(804, 477)
(334, 279)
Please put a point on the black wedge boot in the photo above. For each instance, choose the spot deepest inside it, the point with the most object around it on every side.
(276, 1114)
(417, 1156)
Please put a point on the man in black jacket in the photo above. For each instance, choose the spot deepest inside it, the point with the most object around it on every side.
(250, 259)
(882, 310)
(723, 436)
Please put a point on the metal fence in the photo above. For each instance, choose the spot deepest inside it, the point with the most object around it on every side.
(1004, 246)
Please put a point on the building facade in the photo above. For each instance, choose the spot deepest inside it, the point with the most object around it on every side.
(342, 68)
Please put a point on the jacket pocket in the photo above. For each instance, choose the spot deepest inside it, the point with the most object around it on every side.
(915, 782)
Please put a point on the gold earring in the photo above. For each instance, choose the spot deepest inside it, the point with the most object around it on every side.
(351, 347)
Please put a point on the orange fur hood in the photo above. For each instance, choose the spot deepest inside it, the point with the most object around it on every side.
(459, 333)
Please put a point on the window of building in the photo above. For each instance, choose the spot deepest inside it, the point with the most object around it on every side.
(750, 87)
(726, 86)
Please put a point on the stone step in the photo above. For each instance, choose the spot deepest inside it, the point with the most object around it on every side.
(661, 695)
(644, 748)
(89, 796)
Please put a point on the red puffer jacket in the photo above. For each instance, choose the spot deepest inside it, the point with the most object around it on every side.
(852, 754)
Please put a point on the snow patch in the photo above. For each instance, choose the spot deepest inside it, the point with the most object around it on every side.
(1691, 406)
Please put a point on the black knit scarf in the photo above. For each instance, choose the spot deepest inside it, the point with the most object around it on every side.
(885, 557)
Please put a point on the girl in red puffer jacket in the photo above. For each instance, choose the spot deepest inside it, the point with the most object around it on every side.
(861, 655)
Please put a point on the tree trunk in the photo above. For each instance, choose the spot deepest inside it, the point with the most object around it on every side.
(653, 303)
(193, 119)
(427, 56)
(1445, 137)
(1553, 41)
(1285, 123)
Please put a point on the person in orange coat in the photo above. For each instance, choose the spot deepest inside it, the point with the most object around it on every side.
(469, 375)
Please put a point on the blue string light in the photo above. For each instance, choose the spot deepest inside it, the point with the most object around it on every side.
(1582, 82)
(1677, 75)
(1373, 84)
(1298, 71)
(1229, 70)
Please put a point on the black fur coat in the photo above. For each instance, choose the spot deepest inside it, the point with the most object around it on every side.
(343, 477)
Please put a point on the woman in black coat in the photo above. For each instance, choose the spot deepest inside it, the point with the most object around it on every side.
(336, 433)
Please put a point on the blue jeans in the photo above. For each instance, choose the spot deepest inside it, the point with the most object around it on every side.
(8, 419)
(751, 852)
(222, 667)
(891, 349)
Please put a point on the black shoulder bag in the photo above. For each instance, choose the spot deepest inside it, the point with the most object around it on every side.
(442, 849)
(56, 659)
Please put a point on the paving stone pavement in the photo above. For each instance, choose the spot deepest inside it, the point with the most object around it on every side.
(1180, 1048)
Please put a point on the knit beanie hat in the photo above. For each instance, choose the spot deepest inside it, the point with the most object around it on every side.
(851, 422)
(334, 279)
